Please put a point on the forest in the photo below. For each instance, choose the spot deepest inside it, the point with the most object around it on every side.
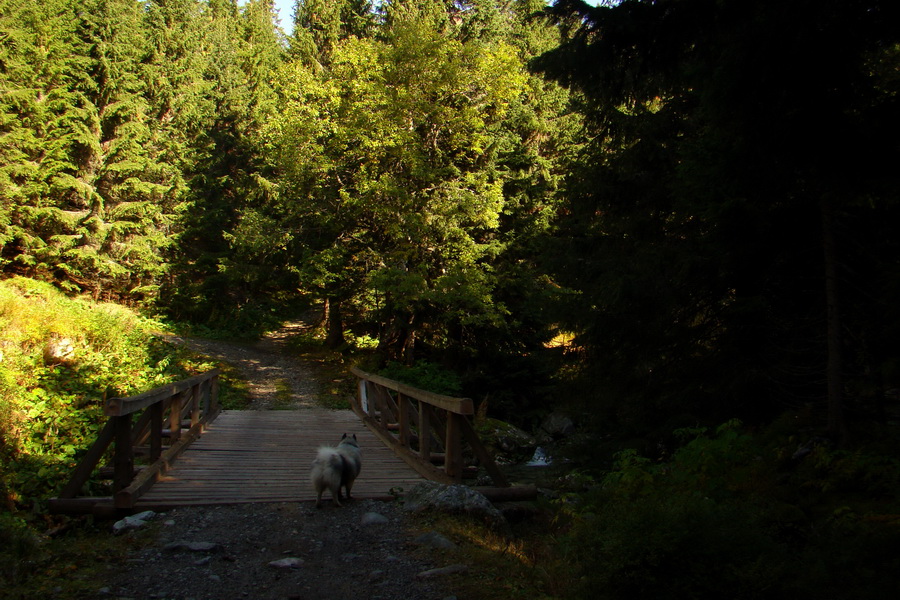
(673, 220)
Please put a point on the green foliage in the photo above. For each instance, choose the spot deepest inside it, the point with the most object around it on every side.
(425, 376)
(418, 167)
(687, 546)
(717, 517)
(51, 403)
(20, 545)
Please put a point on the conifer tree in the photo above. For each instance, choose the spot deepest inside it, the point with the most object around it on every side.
(92, 213)
(227, 177)
(117, 245)
(320, 24)
(36, 101)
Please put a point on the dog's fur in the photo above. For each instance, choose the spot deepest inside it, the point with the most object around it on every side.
(336, 468)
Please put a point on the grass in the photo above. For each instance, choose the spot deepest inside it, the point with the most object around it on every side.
(234, 393)
(331, 368)
(75, 563)
(519, 563)
(284, 395)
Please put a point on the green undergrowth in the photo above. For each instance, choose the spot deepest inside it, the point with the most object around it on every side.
(61, 358)
(730, 513)
(738, 513)
(73, 564)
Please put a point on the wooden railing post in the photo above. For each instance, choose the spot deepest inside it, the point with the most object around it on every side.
(425, 432)
(195, 405)
(156, 425)
(403, 419)
(174, 418)
(453, 465)
(123, 455)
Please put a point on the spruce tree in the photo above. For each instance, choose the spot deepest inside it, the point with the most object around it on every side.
(213, 275)
(41, 110)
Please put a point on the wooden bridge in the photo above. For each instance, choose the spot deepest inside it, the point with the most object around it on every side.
(230, 457)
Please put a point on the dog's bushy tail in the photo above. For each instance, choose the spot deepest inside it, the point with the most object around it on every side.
(326, 474)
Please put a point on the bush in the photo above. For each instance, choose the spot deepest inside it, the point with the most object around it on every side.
(681, 546)
(718, 519)
(19, 546)
(51, 404)
(425, 376)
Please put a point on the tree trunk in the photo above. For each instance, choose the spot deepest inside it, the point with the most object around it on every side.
(834, 366)
(334, 337)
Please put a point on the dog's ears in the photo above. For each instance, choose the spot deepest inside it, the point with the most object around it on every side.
(343, 437)
(354, 437)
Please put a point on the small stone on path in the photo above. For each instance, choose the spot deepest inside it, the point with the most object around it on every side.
(286, 563)
(449, 570)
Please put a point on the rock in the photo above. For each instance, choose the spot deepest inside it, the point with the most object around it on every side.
(133, 522)
(286, 563)
(192, 546)
(506, 442)
(449, 570)
(433, 539)
(61, 351)
(454, 499)
(556, 425)
(373, 518)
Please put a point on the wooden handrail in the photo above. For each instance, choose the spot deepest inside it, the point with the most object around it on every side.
(117, 407)
(428, 420)
(196, 397)
(460, 406)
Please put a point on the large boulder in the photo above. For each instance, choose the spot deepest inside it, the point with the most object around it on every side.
(555, 426)
(507, 443)
(452, 499)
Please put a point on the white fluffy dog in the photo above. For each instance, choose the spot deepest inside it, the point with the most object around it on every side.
(336, 468)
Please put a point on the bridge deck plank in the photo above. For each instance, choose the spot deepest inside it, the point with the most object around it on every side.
(265, 456)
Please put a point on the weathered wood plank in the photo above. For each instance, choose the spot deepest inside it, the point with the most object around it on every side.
(265, 456)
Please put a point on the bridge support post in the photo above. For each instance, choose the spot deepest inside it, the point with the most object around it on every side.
(425, 432)
(156, 421)
(123, 457)
(453, 464)
(403, 419)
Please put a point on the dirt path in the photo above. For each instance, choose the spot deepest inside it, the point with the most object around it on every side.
(264, 364)
(364, 550)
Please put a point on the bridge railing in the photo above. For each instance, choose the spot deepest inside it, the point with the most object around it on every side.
(422, 427)
(159, 425)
